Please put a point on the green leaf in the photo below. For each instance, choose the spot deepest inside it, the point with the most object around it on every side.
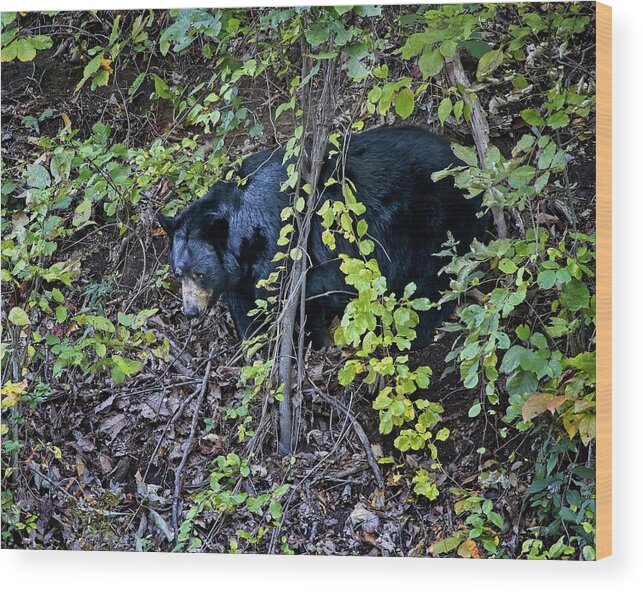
(318, 34)
(475, 47)
(38, 176)
(547, 278)
(523, 332)
(558, 120)
(489, 62)
(19, 317)
(100, 79)
(61, 314)
(356, 70)
(448, 47)
(466, 154)
(475, 409)
(511, 359)
(6, 18)
(445, 545)
(404, 103)
(532, 117)
(431, 63)
(41, 41)
(161, 88)
(507, 266)
(92, 66)
(127, 320)
(575, 295)
(586, 362)
(444, 110)
(25, 51)
(9, 52)
(124, 367)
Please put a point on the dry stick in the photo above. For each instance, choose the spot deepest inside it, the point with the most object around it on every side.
(186, 453)
(298, 274)
(478, 125)
(359, 431)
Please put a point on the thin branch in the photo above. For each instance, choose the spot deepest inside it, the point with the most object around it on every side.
(186, 452)
(478, 125)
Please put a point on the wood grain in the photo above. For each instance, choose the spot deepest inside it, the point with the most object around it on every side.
(604, 280)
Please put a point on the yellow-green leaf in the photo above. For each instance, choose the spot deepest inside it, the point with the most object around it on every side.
(19, 317)
(404, 103)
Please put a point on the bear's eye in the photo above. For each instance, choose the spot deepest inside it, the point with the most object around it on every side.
(198, 276)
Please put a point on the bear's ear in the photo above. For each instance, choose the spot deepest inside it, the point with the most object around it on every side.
(217, 231)
(168, 224)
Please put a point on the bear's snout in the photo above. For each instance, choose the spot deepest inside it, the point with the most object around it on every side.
(190, 311)
(195, 298)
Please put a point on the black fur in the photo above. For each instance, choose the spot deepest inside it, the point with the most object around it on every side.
(230, 235)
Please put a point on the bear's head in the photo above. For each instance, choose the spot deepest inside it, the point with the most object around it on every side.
(198, 243)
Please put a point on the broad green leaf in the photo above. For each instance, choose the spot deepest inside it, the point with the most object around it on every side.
(575, 295)
(127, 320)
(25, 51)
(444, 110)
(92, 66)
(511, 359)
(532, 117)
(41, 41)
(9, 52)
(356, 70)
(558, 120)
(431, 63)
(475, 47)
(161, 88)
(475, 409)
(445, 545)
(61, 314)
(466, 154)
(38, 176)
(547, 278)
(507, 266)
(489, 62)
(318, 34)
(404, 103)
(19, 317)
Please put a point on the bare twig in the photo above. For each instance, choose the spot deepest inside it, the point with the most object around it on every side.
(186, 452)
(359, 431)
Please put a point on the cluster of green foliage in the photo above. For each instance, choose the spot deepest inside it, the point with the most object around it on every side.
(527, 344)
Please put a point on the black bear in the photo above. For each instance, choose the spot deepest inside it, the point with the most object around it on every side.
(223, 243)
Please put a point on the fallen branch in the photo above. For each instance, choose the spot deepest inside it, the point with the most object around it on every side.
(186, 452)
(359, 432)
(477, 124)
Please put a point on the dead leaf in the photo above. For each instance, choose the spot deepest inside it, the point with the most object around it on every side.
(66, 121)
(534, 406)
(555, 403)
(472, 548)
(113, 425)
(105, 64)
(365, 519)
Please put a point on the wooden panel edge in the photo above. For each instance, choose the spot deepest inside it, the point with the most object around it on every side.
(604, 280)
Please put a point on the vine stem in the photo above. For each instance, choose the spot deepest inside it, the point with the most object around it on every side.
(478, 125)
(297, 281)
